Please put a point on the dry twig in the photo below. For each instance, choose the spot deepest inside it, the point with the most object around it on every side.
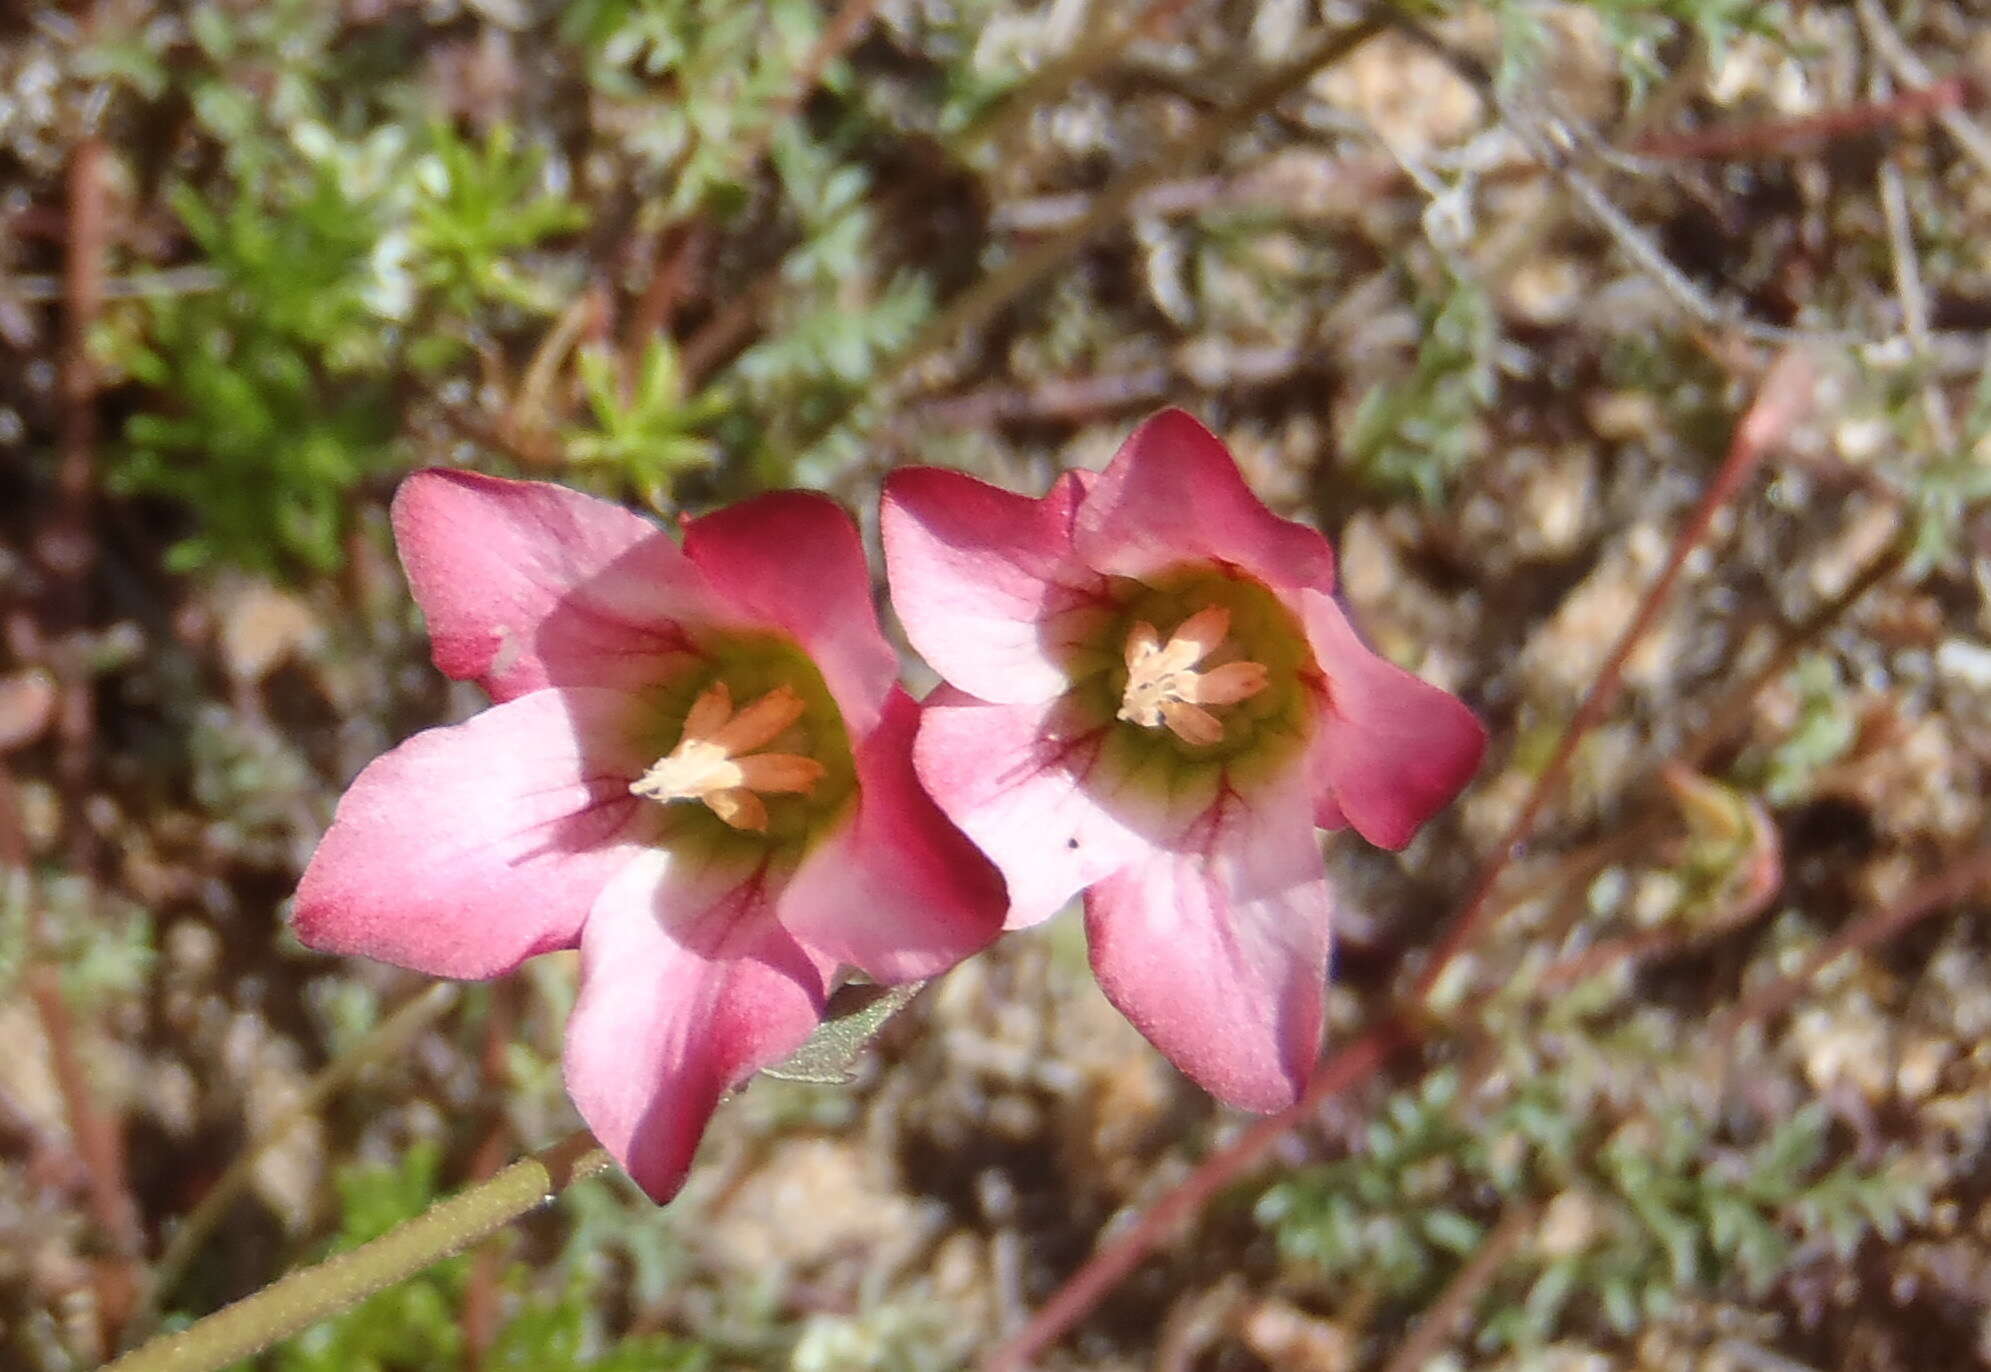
(1436, 1325)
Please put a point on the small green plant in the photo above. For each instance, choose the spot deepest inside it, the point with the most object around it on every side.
(1415, 434)
(648, 432)
(476, 208)
(730, 66)
(1639, 32)
(1824, 730)
(103, 946)
(1640, 1209)
(350, 252)
(1952, 482)
(270, 398)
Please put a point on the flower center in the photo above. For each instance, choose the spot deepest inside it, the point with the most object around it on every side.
(718, 759)
(1167, 685)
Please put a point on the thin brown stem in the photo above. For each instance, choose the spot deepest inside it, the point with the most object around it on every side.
(999, 123)
(480, 1292)
(1777, 403)
(836, 38)
(1906, 66)
(1730, 713)
(1964, 878)
(1548, 148)
(1908, 285)
(98, 1143)
(69, 548)
(1110, 1264)
(1437, 1325)
(981, 302)
(14, 846)
(682, 253)
(1802, 137)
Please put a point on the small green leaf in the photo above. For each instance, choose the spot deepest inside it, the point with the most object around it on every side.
(857, 1014)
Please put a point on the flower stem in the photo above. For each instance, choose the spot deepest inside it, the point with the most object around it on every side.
(388, 1037)
(301, 1299)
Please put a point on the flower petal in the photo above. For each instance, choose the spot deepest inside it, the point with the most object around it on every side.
(470, 848)
(1173, 494)
(527, 584)
(898, 892)
(986, 582)
(687, 985)
(1391, 750)
(1020, 781)
(792, 561)
(1218, 952)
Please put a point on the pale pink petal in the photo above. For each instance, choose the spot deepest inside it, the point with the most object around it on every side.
(1218, 951)
(526, 584)
(898, 891)
(1173, 495)
(792, 561)
(1391, 750)
(986, 583)
(1022, 781)
(687, 986)
(470, 848)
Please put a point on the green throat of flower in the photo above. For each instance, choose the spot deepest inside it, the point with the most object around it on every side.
(1200, 673)
(755, 749)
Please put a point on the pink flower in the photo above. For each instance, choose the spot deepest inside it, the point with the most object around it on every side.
(697, 771)
(1152, 697)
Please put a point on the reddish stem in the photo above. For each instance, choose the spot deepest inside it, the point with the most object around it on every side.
(68, 548)
(1961, 880)
(480, 1292)
(1108, 1266)
(1776, 405)
(1434, 1328)
(98, 1144)
(1801, 137)
(680, 261)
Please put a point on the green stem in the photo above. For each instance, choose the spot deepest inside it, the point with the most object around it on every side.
(302, 1299)
(388, 1037)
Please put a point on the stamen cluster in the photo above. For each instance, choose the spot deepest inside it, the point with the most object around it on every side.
(1164, 686)
(718, 760)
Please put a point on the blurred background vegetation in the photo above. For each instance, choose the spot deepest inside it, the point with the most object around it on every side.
(1480, 288)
